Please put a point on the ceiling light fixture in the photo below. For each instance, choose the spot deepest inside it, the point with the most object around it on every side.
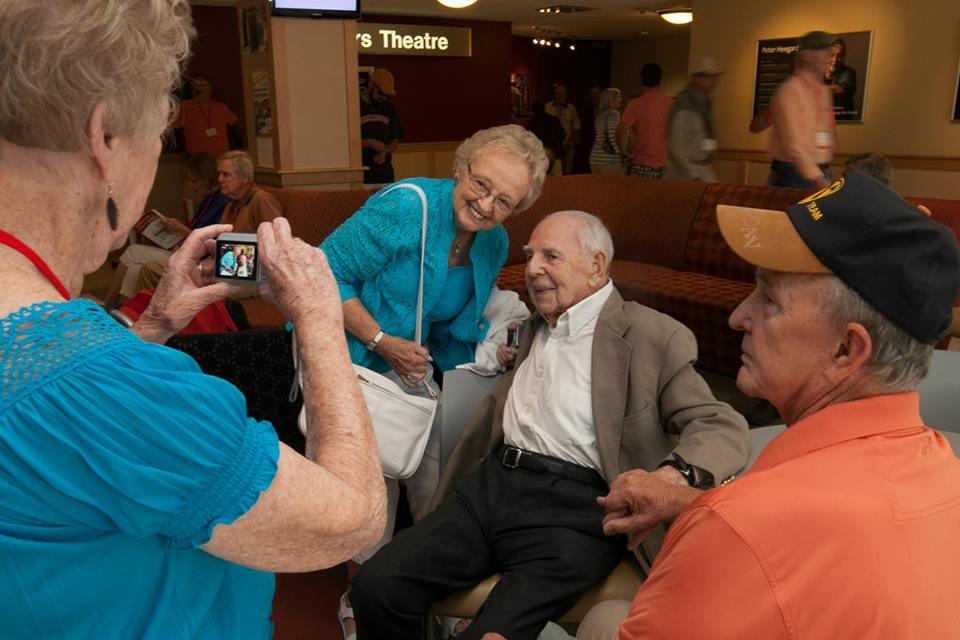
(676, 16)
(456, 4)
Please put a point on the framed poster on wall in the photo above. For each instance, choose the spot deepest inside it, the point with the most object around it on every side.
(845, 74)
(956, 99)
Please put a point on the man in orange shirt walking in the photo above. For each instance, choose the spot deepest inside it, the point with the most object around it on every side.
(804, 129)
(645, 120)
(847, 526)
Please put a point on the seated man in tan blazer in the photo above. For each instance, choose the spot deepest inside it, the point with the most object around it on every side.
(601, 386)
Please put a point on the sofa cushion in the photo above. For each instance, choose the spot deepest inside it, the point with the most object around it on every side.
(649, 219)
(315, 213)
(703, 303)
(706, 250)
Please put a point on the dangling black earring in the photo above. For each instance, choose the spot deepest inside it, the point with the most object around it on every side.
(111, 209)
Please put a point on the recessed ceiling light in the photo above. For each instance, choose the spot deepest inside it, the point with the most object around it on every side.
(676, 16)
(456, 4)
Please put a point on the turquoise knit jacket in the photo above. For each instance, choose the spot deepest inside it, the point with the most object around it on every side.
(375, 256)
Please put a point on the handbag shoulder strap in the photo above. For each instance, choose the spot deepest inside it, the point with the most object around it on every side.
(423, 250)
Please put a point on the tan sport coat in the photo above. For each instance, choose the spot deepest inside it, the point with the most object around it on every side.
(647, 401)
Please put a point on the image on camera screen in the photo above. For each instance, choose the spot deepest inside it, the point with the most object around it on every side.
(237, 260)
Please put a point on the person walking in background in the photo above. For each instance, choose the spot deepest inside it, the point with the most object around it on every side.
(380, 130)
(645, 121)
(605, 156)
(570, 119)
(804, 133)
(549, 130)
(691, 139)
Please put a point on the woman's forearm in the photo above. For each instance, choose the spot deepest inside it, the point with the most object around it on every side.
(358, 321)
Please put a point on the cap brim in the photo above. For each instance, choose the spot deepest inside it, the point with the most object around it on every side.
(767, 239)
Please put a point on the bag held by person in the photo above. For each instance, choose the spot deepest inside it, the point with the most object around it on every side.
(401, 422)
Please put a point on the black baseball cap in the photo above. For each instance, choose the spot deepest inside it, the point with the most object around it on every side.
(904, 264)
(816, 40)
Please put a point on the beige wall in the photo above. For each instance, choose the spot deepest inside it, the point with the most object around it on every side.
(910, 84)
(670, 52)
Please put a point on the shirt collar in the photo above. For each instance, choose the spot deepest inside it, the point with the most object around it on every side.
(843, 422)
(572, 321)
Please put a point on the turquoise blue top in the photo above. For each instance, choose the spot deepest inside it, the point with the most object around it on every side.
(228, 262)
(375, 256)
(117, 458)
(457, 289)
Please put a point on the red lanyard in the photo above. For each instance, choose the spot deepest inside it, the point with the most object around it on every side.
(29, 254)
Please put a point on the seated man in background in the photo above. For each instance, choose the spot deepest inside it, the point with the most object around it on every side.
(200, 180)
(250, 205)
(847, 524)
(601, 386)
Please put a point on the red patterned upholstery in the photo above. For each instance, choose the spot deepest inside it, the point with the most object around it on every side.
(706, 251)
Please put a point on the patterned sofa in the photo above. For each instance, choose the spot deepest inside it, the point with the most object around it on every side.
(669, 253)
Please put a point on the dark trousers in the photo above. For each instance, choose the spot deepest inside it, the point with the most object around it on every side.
(540, 530)
(783, 174)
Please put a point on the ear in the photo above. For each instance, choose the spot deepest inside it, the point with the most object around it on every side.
(598, 265)
(99, 140)
(854, 349)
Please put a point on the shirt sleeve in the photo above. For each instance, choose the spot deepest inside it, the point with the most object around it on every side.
(140, 441)
(372, 238)
(712, 435)
(706, 583)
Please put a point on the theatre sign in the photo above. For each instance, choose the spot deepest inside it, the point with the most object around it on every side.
(413, 40)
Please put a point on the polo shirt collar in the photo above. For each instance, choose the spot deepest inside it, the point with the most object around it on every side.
(572, 321)
(840, 423)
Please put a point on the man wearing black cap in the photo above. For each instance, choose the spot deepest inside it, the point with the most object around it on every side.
(804, 129)
(847, 526)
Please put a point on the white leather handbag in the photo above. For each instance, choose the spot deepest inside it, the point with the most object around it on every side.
(401, 422)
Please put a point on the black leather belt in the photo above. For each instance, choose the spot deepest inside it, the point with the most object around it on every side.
(515, 458)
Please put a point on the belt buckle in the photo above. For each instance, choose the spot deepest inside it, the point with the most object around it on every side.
(515, 462)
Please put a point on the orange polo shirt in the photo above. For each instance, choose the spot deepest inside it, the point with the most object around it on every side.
(847, 526)
(646, 115)
(804, 128)
(205, 128)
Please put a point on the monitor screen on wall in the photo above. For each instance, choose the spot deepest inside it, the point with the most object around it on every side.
(342, 9)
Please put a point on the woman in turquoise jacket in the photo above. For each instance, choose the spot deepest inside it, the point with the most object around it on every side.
(375, 256)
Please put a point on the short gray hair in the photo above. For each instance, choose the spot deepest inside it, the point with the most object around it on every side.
(607, 98)
(872, 164)
(242, 163)
(509, 138)
(594, 235)
(60, 58)
(899, 361)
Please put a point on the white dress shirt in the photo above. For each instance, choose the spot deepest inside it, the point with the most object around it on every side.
(549, 406)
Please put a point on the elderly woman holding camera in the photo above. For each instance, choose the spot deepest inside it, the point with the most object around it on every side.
(137, 499)
(375, 256)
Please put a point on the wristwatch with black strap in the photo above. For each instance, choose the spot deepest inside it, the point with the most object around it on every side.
(695, 476)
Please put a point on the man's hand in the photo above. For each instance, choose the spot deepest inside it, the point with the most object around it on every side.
(188, 285)
(380, 158)
(297, 278)
(506, 356)
(638, 501)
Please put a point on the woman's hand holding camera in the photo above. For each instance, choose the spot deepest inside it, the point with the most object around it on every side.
(405, 357)
(188, 285)
(297, 278)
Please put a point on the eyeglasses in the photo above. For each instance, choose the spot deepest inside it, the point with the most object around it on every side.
(501, 205)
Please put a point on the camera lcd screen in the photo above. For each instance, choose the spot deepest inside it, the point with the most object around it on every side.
(236, 260)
